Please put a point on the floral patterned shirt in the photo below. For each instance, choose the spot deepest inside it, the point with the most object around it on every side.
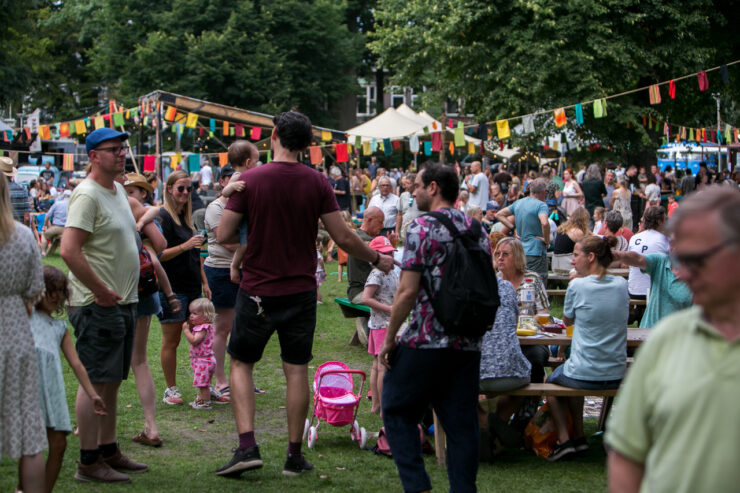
(426, 249)
(387, 286)
(205, 348)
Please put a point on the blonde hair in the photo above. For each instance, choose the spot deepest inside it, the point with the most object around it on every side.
(348, 219)
(7, 223)
(517, 250)
(205, 307)
(169, 200)
(578, 219)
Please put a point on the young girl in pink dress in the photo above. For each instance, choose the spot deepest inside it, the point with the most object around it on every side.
(198, 330)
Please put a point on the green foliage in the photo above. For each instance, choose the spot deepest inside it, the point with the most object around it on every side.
(508, 58)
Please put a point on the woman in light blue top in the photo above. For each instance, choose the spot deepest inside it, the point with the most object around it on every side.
(599, 306)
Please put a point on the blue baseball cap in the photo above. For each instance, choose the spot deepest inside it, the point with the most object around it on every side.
(100, 135)
(492, 205)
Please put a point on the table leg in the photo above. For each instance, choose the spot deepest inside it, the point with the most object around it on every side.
(439, 441)
(606, 406)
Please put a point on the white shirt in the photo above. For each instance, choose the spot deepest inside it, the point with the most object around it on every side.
(206, 175)
(480, 196)
(648, 241)
(389, 206)
(652, 191)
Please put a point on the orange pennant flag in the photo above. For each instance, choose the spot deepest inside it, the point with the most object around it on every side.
(452, 148)
(223, 157)
(68, 162)
(315, 152)
(226, 128)
(560, 117)
(44, 132)
(64, 129)
(169, 115)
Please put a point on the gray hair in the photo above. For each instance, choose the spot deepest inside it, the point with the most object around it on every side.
(593, 172)
(538, 186)
(723, 200)
(473, 209)
(614, 221)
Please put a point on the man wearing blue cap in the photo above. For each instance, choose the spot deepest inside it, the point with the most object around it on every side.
(99, 247)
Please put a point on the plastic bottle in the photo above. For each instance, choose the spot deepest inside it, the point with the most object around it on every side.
(527, 306)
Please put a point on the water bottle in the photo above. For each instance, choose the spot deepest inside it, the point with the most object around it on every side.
(527, 306)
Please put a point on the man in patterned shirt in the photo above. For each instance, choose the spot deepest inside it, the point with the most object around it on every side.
(426, 365)
(18, 194)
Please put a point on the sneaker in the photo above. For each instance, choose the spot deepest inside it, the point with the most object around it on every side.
(201, 405)
(99, 472)
(296, 465)
(172, 396)
(243, 460)
(580, 444)
(121, 463)
(562, 450)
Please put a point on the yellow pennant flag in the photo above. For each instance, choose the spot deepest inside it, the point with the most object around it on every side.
(80, 128)
(366, 151)
(44, 132)
(325, 136)
(471, 148)
(99, 122)
(192, 120)
(502, 126)
(68, 162)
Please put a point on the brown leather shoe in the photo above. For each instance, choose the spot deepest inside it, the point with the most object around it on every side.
(99, 472)
(121, 463)
(143, 439)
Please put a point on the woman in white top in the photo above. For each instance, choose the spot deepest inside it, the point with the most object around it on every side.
(572, 193)
(621, 201)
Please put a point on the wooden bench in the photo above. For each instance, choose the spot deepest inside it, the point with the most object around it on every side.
(533, 390)
(356, 311)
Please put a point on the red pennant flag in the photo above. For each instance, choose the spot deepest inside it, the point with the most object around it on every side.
(315, 152)
(149, 162)
(704, 134)
(703, 82)
(644, 120)
(342, 156)
(396, 145)
(64, 130)
(27, 131)
(201, 131)
(112, 106)
(436, 141)
(672, 89)
(450, 123)
(256, 133)
(712, 136)
(238, 130)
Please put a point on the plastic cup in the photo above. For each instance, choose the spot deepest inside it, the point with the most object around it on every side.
(569, 330)
(543, 318)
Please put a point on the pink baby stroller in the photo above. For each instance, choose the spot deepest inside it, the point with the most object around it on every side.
(335, 401)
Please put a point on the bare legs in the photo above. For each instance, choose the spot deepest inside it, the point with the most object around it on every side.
(242, 395)
(222, 328)
(376, 385)
(95, 430)
(143, 375)
(57, 446)
(560, 406)
(171, 334)
(31, 473)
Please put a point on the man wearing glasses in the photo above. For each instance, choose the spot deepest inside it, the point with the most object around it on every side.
(386, 201)
(675, 427)
(99, 247)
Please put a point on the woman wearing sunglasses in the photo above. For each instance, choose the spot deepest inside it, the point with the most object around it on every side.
(181, 262)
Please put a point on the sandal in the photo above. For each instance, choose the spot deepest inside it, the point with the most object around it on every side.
(145, 440)
(221, 396)
(258, 391)
(174, 303)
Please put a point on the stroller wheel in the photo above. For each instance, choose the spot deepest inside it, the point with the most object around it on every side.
(312, 436)
(305, 429)
(354, 432)
(363, 438)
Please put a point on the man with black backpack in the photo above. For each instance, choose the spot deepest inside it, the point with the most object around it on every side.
(448, 285)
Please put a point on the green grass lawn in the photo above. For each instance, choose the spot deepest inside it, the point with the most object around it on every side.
(198, 442)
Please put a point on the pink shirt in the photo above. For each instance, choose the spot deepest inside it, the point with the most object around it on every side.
(205, 348)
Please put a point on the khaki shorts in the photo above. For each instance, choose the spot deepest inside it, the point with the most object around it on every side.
(53, 233)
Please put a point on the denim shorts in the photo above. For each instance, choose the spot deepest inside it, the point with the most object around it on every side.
(148, 305)
(105, 339)
(167, 317)
(223, 291)
(293, 316)
(558, 377)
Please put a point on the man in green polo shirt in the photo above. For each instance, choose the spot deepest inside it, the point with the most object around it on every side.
(675, 426)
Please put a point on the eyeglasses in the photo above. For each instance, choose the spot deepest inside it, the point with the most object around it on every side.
(695, 261)
(182, 188)
(114, 150)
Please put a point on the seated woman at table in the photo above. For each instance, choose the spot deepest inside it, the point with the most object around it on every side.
(568, 233)
(599, 305)
(511, 265)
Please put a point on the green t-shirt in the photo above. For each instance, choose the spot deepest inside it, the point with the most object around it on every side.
(110, 249)
(668, 294)
(677, 410)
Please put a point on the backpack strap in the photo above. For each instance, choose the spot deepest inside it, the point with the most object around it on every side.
(446, 222)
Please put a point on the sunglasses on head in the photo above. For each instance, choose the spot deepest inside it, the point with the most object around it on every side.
(182, 188)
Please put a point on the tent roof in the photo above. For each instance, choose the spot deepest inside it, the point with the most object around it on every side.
(390, 124)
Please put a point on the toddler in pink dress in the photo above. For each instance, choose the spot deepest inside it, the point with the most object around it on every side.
(198, 330)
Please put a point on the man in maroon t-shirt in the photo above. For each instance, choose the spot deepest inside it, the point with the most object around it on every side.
(278, 286)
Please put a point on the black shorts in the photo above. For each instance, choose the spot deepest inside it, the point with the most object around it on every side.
(256, 317)
(105, 339)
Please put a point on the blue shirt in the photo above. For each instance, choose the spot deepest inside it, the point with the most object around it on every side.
(526, 213)
(18, 200)
(58, 212)
(668, 294)
(600, 308)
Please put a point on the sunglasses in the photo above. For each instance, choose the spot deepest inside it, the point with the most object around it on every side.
(696, 261)
(182, 188)
(114, 150)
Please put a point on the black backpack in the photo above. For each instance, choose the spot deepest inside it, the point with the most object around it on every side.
(467, 299)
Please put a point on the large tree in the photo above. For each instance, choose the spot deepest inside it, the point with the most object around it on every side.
(511, 57)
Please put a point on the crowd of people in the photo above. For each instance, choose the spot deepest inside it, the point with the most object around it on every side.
(131, 258)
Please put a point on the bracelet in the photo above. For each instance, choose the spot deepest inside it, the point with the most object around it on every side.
(377, 259)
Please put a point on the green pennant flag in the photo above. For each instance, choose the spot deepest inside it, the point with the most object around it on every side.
(358, 141)
(691, 134)
(460, 135)
(118, 120)
(426, 131)
(269, 156)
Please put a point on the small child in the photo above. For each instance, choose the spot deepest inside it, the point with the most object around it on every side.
(672, 205)
(320, 272)
(598, 219)
(198, 330)
(342, 256)
(49, 335)
(380, 289)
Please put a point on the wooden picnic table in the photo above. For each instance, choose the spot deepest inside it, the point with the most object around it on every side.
(635, 337)
(565, 276)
